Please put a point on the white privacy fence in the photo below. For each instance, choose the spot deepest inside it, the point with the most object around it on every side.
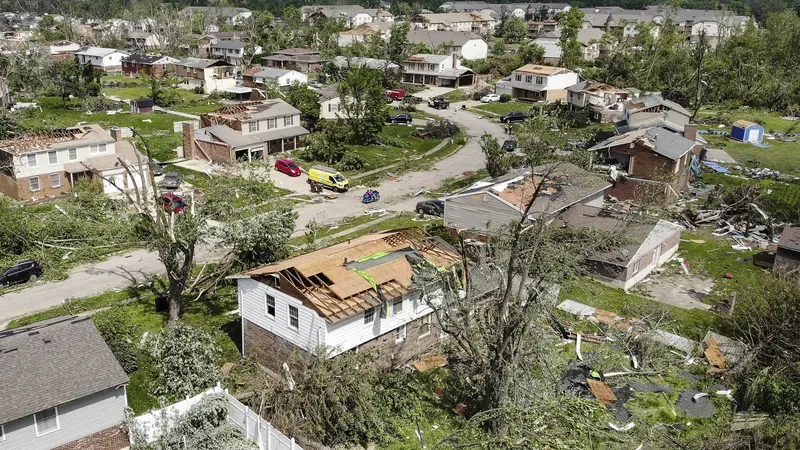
(254, 428)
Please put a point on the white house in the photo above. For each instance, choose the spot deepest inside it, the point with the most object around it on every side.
(351, 16)
(366, 293)
(144, 40)
(61, 48)
(602, 100)
(363, 32)
(283, 77)
(209, 74)
(231, 16)
(533, 81)
(589, 38)
(465, 44)
(105, 59)
(231, 51)
(436, 70)
(480, 22)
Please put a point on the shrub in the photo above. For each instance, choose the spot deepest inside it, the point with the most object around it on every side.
(407, 104)
(186, 359)
(505, 98)
(198, 90)
(437, 129)
(351, 162)
(115, 328)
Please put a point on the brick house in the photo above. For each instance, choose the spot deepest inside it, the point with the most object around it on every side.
(151, 65)
(305, 60)
(245, 131)
(357, 295)
(61, 388)
(209, 74)
(648, 161)
(49, 163)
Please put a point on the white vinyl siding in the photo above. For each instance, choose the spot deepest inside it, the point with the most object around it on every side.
(294, 317)
(272, 123)
(288, 121)
(99, 148)
(269, 305)
(52, 158)
(46, 421)
(32, 163)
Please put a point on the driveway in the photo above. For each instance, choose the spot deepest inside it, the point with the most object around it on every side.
(119, 272)
(433, 91)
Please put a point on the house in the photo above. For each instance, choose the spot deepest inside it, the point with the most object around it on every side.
(231, 51)
(368, 293)
(305, 60)
(465, 44)
(49, 163)
(537, 28)
(655, 161)
(151, 65)
(787, 257)
(365, 31)
(329, 102)
(209, 74)
(537, 82)
(60, 50)
(201, 44)
(651, 110)
(602, 100)
(142, 106)
(745, 131)
(436, 70)
(60, 387)
(488, 205)
(518, 10)
(145, 40)
(14, 46)
(231, 16)
(351, 16)
(481, 22)
(5, 94)
(244, 132)
(372, 63)
(105, 59)
(588, 38)
(649, 243)
(259, 76)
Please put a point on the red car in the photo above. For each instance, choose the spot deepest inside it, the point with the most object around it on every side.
(172, 203)
(288, 167)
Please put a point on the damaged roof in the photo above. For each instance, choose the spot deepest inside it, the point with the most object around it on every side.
(536, 69)
(58, 138)
(343, 280)
(651, 101)
(594, 86)
(246, 111)
(658, 139)
(790, 239)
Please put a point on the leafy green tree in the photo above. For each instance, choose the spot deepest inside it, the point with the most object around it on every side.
(498, 49)
(531, 52)
(514, 30)
(261, 239)
(497, 161)
(163, 90)
(73, 80)
(305, 99)
(363, 105)
(570, 22)
(186, 361)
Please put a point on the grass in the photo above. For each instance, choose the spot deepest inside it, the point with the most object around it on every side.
(497, 109)
(784, 197)
(197, 179)
(780, 155)
(162, 146)
(456, 184)
(456, 95)
(79, 306)
(770, 120)
(392, 223)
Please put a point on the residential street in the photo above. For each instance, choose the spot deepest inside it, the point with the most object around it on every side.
(121, 271)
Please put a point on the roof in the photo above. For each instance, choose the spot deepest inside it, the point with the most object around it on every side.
(144, 102)
(53, 362)
(653, 100)
(546, 71)
(139, 58)
(272, 73)
(585, 36)
(790, 239)
(437, 38)
(297, 51)
(339, 10)
(236, 139)
(428, 58)
(124, 150)
(658, 139)
(372, 63)
(332, 280)
(563, 184)
(744, 124)
(215, 10)
(99, 51)
(454, 73)
(450, 18)
(228, 45)
(328, 92)
(58, 138)
(201, 63)
(247, 111)
(593, 86)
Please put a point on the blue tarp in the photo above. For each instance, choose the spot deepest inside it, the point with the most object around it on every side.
(715, 167)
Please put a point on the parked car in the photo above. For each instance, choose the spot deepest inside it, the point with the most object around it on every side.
(431, 207)
(509, 145)
(513, 117)
(489, 98)
(172, 203)
(287, 166)
(401, 118)
(156, 167)
(21, 272)
(438, 103)
(171, 180)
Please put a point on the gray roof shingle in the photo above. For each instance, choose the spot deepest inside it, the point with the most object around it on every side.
(53, 362)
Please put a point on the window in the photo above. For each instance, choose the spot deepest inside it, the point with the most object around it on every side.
(269, 305)
(253, 126)
(397, 306)
(528, 78)
(271, 123)
(32, 160)
(46, 421)
(431, 67)
(519, 77)
(425, 326)
(369, 315)
(55, 180)
(294, 317)
(52, 157)
(34, 183)
(100, 148)
(400, 334)
(636, 267)
(288, 121)
(539, 80)
(73, 154)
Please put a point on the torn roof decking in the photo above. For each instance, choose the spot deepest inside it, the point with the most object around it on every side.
(329, 281)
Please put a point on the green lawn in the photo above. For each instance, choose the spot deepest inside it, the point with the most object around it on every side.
(783, 156)
(771, 121)
(456, 184)
(128, 92)
(502, 108)
(80, 305)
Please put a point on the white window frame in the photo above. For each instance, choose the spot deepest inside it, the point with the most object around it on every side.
(38, 183)
(636, 267)
(426, 321)
(96, 149)
(288, 121)
(400, 334)
(395, 303)
(529, 78)
(272, 123)
(296, 317)
(32, 157)
(369, 314)
(539, 80)
(50, 159)
(71, 152)
(252, 126)
(59, 180)
(267, 305)
(36, 423)
(2, 433)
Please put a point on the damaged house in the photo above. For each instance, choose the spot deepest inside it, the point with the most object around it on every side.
(365, 293)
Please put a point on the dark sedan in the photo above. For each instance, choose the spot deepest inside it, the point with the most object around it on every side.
(431, 207)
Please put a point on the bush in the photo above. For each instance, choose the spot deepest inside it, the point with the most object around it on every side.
(198, 90)
(96, 104)
(351, 162)
(186, 359)
(437, 129)
(407, 104)
(119, 334)
(505, 98)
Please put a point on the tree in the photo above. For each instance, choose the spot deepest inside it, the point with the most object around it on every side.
(163, 90)
(305, 99)
(499, 48)
(514, 30)
(363, 104)
(328, 146)
(261, 239)
(571, 23)
(75, 80)
(531, 52)
(497, 162)
(186, 361)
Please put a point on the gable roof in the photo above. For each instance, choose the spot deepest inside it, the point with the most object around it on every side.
(228, 45)
(332, 279)
(139, 58)
(202, 63)
(652, 100)
(99, 52)
(53, 362)
(258, 110)
(436, 38)
(272, 73)
(593, 86)
(58, 138)
(427, 58)
(546, 71)
(744, 124)
(372, 63)
(658, 139)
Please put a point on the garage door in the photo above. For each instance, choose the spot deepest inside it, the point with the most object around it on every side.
(109, 188)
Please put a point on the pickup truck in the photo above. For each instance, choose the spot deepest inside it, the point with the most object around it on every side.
(438, 103)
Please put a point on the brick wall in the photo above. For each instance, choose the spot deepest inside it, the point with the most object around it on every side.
(45, 187)
(267, 349)
(114, 438)
(418, 340)
(8, 185)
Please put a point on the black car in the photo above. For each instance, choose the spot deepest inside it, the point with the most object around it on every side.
(21, 272)
(171, 180)
(438, 103)
(509, 145)
(401, 118)
(431, 207)
(513, 117)
(156, 167)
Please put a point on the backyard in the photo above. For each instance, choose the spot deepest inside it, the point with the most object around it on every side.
(495, 109)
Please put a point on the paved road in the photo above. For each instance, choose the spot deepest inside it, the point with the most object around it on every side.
(121, 271)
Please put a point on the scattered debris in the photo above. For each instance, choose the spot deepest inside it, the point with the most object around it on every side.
(651, 387)
(695, 407)
(732, 350)
(578, 348)
(691, 378)
(714, 356)
(625, 428)
(673, 340)
(601, 391)
(430, 362)
(745, 421)
(227, 367)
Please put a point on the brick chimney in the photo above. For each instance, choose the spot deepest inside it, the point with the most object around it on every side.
(455, 61)
(116, 134)
(188, 139)
(690, 131)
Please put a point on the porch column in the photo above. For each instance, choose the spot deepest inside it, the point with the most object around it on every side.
(283, 141)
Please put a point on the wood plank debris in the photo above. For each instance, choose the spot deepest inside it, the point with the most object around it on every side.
(430, 362)
(601, 391)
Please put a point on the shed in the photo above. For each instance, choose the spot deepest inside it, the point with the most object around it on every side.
(787, 257)
(142, 106)
(746, 131)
